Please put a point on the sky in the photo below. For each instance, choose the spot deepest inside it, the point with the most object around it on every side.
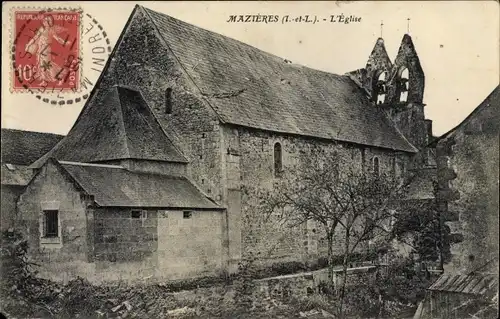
(457, 43)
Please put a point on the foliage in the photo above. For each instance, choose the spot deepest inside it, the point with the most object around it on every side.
(208, 298)
(16, 268)
(337, 195)
(421, 225)
(244, 285)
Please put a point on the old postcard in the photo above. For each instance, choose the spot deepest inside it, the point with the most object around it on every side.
(250, 159)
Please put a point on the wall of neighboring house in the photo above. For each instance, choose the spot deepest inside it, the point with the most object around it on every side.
(249, 166)
(9, 195)
(66, 255)
(149, 244)
(468, 169)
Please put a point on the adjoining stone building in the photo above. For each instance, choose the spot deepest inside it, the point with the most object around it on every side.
(19, 150)
(468, 157)
(467, 175)
(177, 100)
(104, 222)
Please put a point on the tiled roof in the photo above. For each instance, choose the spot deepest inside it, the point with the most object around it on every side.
(116, 186)
(25, 147)
(119, 125)
(476, 284)
(18, 175)
(252, 88)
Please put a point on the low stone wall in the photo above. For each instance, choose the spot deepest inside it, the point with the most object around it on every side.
(363, 274)
(284, 286)
(305, 283)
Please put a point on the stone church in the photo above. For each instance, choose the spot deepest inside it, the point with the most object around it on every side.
(149, 182)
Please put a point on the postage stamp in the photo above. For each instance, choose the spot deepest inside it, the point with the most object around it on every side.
(57, 54)
(46, 50)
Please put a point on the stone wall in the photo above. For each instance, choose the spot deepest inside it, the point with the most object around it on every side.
(157, 244)
(10, 194)
(142, 60)
(410, 120)
(303, 284)
(190, 247)
(223, 159)
(65, 256)
(249, 161)
(125, 243)
(468, 169)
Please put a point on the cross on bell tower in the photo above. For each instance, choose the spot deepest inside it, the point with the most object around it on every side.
(408, 26)
(381, 28)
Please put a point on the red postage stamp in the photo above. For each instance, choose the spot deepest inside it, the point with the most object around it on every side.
(46, 50)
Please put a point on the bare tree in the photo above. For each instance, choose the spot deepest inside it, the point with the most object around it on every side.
(342, 197)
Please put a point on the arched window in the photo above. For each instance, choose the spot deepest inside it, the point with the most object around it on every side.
(380, 90)
(278, 159)
(168, 101)
(376, 167)
(404, 85)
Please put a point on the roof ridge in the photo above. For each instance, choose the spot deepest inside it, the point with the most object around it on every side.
(257, 69)
(213, 33)
(31, 132)
(237, 41)
(91, 164)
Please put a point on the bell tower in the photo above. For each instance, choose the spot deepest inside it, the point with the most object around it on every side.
(378, 67)
(405, 94)
(408, 78)
(398, 90)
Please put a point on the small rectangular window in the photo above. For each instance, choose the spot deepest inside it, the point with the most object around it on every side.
(51, 220)
(136, 214)
(187, 214)
(168, 101)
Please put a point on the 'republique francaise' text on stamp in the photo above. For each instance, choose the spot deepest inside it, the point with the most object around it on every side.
(46, 50)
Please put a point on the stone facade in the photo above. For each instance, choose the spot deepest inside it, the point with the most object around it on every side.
(140, 60)
(10, 194)
(68, 253)
(163, 244)
(254, 171)
(468, 176)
